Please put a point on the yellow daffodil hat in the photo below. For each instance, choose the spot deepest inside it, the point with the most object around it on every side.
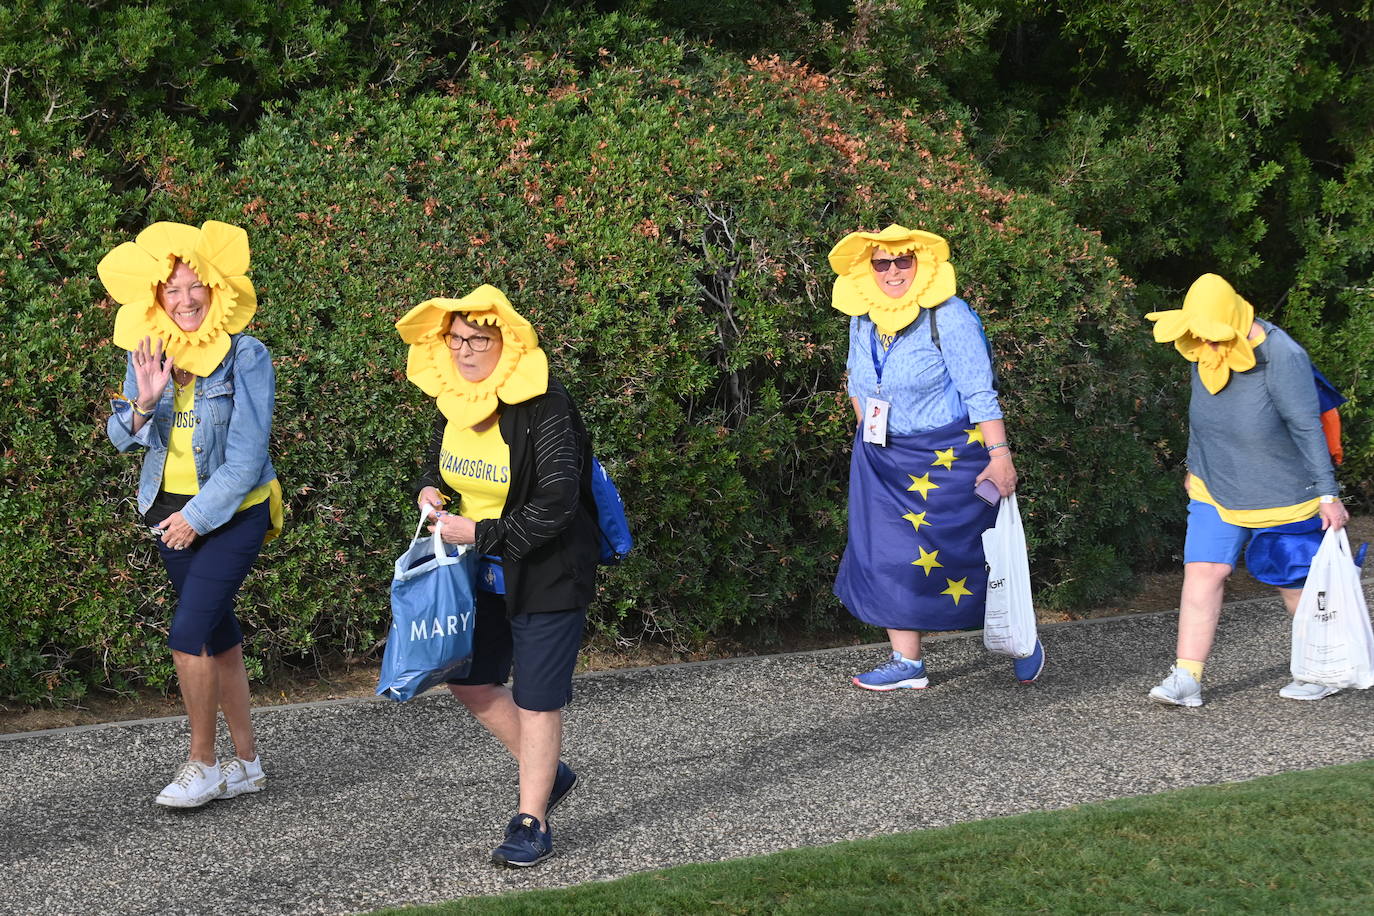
(521, 373)
(1213, 312)
(857, 292)
(218, 253)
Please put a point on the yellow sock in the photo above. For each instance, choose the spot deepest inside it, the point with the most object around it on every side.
(1192, 667)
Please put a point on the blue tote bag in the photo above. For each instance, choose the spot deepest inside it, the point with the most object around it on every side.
(432, 616)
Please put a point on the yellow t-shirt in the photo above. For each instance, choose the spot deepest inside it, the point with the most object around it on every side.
(179, 473)
(1253, 518)
(476, 466)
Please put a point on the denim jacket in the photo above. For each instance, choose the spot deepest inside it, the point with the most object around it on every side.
(233, 420)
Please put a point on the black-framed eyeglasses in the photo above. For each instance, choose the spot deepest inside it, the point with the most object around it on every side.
(901, 263)
(477, 343)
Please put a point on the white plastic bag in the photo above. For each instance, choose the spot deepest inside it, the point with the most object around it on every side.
(1009, 624)
(1332, 640)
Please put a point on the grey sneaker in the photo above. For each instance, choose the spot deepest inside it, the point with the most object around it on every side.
(243, 776)
(193, 785)
(1302, 690)
(1179, 689)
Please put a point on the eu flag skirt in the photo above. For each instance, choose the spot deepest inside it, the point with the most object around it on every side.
(914, 558)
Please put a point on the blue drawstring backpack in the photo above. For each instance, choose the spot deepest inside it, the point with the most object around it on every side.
(432, 617)
(615, 539)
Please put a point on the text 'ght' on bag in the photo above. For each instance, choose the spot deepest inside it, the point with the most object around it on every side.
(432, 616)
(1332, 640)
(1009, 624)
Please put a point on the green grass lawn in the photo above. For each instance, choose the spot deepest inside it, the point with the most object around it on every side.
(1291, 843)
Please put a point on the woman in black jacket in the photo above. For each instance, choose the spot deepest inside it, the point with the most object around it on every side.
(510, 448)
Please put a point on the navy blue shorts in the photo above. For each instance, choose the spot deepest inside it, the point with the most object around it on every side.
(542, 647)
(207, 576)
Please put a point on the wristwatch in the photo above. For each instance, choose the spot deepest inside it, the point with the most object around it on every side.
(1327, 499)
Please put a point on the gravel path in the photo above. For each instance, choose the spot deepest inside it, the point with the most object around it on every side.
(372, 804)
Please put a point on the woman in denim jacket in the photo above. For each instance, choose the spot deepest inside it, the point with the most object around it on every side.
(198, 398)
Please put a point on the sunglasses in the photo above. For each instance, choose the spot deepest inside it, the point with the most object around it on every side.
(902, 263)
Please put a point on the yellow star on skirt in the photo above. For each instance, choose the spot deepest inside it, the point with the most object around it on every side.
(956, 589)
(922, 484)
(945, 458)
(928, 561)
(917, 519)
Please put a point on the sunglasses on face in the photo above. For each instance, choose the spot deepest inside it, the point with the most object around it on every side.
(477, 343)
(901, 263)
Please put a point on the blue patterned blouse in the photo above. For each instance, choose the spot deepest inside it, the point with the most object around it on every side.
(928, 388)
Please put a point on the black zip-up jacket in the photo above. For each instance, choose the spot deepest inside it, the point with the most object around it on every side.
(547, 534)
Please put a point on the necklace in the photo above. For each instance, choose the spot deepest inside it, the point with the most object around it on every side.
(177, 379)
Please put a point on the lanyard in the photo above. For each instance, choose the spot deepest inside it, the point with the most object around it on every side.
(878, 365)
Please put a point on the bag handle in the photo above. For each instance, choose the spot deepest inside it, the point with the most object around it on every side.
(440, 553)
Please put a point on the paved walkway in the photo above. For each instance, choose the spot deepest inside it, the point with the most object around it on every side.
(373, 804)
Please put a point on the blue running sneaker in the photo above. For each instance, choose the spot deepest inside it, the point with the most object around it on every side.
(1028, 669)
(895, 673)
(526, 844)
(564, 781)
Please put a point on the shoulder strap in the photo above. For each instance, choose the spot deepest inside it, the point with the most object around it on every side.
(935, 339)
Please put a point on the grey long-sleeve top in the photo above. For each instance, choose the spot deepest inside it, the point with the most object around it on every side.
(1258, 443)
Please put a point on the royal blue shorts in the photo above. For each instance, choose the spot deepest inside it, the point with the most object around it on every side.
(207, 576)
(1278, 556)
(541, 647)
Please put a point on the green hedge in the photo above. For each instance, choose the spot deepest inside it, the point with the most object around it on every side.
(661, 211)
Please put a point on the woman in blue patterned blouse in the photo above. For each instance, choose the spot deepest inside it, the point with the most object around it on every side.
(929, 430)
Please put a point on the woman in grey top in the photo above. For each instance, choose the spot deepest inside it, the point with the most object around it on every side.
(1259, 475)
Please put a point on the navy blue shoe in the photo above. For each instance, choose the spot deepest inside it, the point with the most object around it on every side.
(1028, 669)
(564, 781)
(526, 844)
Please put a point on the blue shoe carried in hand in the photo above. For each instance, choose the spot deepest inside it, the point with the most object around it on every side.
(527, 843)
(1028, 669)
(894, 674)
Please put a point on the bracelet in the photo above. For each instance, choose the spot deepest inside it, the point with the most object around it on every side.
(1006, 445)
(1326, 499)
(133, 403)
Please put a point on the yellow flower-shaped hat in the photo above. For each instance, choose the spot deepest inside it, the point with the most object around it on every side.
(1213, 313)
(856, 289)
(217, 253)
(521, 373)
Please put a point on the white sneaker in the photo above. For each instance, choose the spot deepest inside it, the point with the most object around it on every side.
(1302, 690)
(1180, 689)
(243, 776)
(193, 785)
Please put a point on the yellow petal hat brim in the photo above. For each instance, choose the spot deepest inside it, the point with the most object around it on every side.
(856, 292)
(1212, 310)
(521, 373)
(219, 255)
(856, 247)
(1213, 313)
